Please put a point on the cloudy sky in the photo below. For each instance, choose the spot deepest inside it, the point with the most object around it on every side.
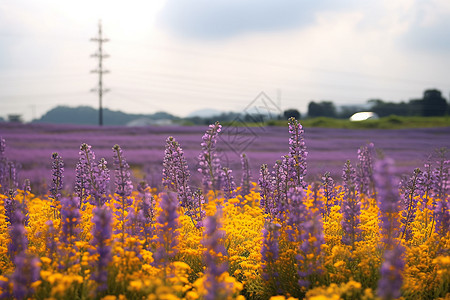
(181, 56)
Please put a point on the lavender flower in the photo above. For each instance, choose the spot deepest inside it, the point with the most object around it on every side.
(351, 211)
(209, 162)
(390, 283)
(329, 192)
(442, 217)
(17, 233)
(176, 173)
(124, 187)
(270, 254)
(441, 175)
(166, 232)
(101, 232)
(70, 218)
(214, 266)
(229, 186)
(26, 272)
(195, 208)
(365, 180)
(426, 181)
(388, 199)
(81, 181)
(57, 176)
(297, 154)
(246, 176)
(95, 176)
(12, 175)
(280, 176)
(146, 212)
(123, 183)
(102, 183)
(3, 165)
(388, 202)
(265, 183)
(309, 257)
(295, 213)
(410, 190)
(50, 240)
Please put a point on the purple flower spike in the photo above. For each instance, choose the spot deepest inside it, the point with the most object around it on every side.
(390, 283)
(176, 173)
(101, 232)
(246, 176)
(3, 165)
(214, 266)
(123, 183)
(70, 218)
(389, 204)
(329, 192)
(229, 186)
(57, 176)
(410, 190)
(312, 240)
(297, 154)
(265, 184)
(365, 180)
(209, 161)
(146, 212)
(17, 233)
(351, 208)
(388, 199)
(26, 272)
(270, 254)
(442, 217)
(166, 232)
(95, 176)
(280, 176)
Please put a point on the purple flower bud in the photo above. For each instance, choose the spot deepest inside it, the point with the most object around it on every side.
(329, 192)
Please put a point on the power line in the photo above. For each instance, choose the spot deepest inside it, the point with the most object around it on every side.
(100, 70)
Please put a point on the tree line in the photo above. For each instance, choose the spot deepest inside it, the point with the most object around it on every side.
(431, 104)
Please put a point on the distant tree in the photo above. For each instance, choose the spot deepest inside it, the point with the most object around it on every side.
(346, 111)
(291, 113)
(384, 109)
(321, 109)
(15, 118)
(433, 103)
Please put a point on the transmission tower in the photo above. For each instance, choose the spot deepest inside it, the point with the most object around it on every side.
(99, 54)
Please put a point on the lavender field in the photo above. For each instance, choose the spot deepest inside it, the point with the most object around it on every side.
(328, 149)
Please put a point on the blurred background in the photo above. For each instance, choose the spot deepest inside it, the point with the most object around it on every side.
(206, 58)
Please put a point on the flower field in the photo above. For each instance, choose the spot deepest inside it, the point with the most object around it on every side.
(90, 231)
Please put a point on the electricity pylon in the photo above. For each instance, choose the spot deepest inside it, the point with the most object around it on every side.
(99, 54)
